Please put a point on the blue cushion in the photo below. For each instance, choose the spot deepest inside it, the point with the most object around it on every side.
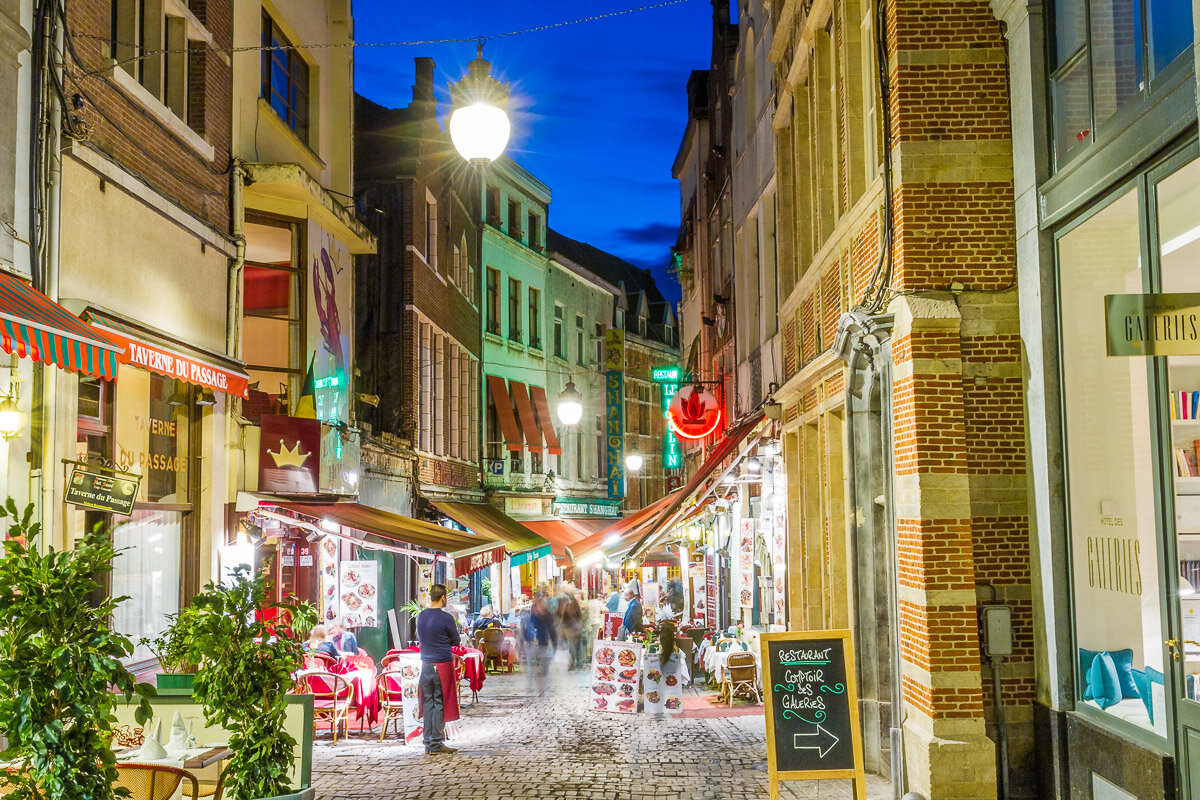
(1123, 661)
(1086, 657)
(1103, 683)
(1143, 686)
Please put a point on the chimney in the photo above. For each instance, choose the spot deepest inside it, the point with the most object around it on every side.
(423, 99)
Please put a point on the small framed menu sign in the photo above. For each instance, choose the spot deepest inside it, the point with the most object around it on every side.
(811, 708)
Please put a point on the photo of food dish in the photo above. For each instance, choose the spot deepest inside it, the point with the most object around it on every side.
(366, 590)
(410, 671)
(331, 614)
(626, 658)
(601, 703)
(671, 680)
(626, 690)
(747, 597)
(673, 703)
(606, 673)
(331, 570)
(653, 675)
(628, 675)
(351, 601)
(605, 655)
(369, 622)
(410, 691)
(627, 705)
(604, 688)
(350, 578)
(653, 697)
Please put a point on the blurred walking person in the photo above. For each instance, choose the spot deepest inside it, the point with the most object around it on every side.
(570, 627)
(543, 639)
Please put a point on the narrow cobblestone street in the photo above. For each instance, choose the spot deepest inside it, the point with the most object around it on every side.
(514, 745)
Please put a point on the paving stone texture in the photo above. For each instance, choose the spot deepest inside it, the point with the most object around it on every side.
(515, 744)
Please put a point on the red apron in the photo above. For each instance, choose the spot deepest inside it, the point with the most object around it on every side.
(449, 692)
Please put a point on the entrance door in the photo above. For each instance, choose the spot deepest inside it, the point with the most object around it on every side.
(1174, 216)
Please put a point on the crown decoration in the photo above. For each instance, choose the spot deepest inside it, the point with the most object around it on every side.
(289, 457)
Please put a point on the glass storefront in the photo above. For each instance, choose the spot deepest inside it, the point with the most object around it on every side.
(144, 423)
(1132, 428)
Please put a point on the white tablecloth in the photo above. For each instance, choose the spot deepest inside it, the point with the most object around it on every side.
(715, 661)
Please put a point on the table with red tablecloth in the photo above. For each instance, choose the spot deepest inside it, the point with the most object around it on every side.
(472, 661)
(359, 672)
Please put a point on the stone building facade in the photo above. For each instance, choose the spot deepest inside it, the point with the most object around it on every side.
(903, 428)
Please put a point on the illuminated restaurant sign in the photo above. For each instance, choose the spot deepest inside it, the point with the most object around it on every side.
(668, 378)
(614, 410)
(694, 413)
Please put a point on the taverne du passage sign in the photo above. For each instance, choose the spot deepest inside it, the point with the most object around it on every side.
(811, 708)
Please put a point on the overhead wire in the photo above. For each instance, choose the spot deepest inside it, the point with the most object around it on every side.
(232, 50)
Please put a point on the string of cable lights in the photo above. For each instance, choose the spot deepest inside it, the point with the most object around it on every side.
(590, 18)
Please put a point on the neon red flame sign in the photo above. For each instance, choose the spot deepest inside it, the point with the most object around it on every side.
(694, 413)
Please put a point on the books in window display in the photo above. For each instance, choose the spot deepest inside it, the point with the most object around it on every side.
(1185, 405)
(1187, 460)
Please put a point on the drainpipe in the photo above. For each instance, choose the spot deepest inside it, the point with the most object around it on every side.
(46, 277)
(233, 321)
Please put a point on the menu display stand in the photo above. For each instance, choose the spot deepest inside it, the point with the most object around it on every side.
(811, 705)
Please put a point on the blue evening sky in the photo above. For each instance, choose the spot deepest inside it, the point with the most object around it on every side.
(598, 108)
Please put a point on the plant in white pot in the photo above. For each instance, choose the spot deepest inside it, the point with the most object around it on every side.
(246, 650)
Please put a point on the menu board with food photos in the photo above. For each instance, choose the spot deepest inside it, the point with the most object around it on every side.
(408, 666)
(358, 594)
(329, 579)
(616, 675)
(663, 685)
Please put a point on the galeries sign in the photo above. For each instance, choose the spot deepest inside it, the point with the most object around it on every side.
(1153, 324)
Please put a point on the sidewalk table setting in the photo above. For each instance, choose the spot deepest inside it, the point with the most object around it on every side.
(714, 660)
(359, 671)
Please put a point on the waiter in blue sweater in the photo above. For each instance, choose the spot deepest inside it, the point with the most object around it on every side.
(437, 633)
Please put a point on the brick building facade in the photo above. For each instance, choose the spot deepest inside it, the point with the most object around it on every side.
(418, 298)
(903, 541)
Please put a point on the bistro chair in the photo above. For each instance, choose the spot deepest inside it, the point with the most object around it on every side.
(332, 698)
(687, 651)
(741, 677)
(490, 642)
(726, 644)
(155, 781)
(323, 660)
(391, 701)
(389, 657)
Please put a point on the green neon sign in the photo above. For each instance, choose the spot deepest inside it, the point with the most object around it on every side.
(669, 373)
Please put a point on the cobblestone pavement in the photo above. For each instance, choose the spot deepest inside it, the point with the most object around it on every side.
(514, 745)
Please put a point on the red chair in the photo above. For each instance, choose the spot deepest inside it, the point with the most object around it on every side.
(388, 658)
(391, 701)
(323, 659)
(332, 697)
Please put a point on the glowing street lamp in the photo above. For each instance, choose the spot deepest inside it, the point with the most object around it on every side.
(570, 405)
(479, 126)
(633, 462)
(11, 418)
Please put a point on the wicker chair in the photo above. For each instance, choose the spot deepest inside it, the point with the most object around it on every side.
(332, 698)
(155, 782)
(391, 701)
(323, 659)
(490, 641)
(741, 677)
(389, 657)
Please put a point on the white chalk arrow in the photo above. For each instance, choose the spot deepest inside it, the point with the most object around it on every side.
(823, 743)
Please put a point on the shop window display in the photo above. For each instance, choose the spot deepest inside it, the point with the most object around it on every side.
(1110, 476)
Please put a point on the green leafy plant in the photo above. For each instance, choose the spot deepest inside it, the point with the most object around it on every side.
(61, 674)
(486, 590)
(170, 648)
(246, 650)
(412, 607)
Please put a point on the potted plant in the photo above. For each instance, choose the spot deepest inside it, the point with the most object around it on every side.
(246, 649)
(61, 675)
(170, 648)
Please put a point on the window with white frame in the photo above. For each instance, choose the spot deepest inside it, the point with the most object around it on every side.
(284, 78)
(455, 400)
(425, 352)
(580, 340)
(560, 335)
(439, 394)
(158, 43)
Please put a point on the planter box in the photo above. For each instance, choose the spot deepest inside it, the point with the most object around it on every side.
(304, 794)
(175, 683)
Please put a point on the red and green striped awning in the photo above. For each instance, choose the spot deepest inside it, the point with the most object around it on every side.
(34, 326)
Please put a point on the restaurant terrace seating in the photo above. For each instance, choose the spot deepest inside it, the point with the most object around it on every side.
(332, 698)
(156, 782)
(741, 677)
(391, 700)
(490, 642)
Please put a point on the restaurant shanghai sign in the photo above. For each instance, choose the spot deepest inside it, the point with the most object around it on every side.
(614, 410)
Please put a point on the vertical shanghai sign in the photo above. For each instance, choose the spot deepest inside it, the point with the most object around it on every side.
(614, 410)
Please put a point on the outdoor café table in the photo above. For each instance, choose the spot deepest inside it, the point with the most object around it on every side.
(716, 660)
(359, 672)
(472, 664)
(203, 762)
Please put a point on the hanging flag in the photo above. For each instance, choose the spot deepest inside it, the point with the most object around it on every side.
(306, 404)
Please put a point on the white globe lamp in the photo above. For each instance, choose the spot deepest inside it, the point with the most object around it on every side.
(570, 405)
(479, 126)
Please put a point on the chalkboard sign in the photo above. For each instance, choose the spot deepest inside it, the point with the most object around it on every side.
(812, 707)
